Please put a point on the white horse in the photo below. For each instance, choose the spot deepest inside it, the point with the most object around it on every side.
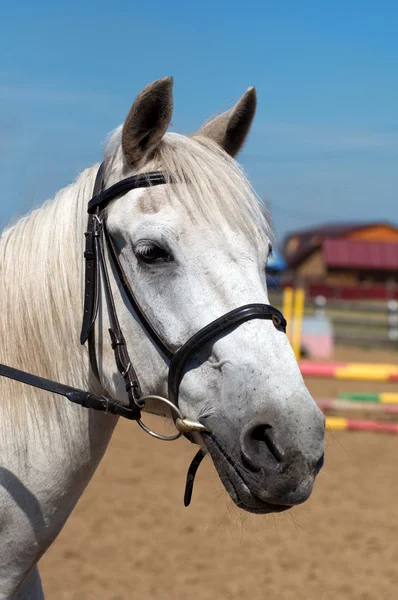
(192, 251)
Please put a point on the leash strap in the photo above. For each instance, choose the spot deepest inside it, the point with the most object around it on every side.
(75, 395)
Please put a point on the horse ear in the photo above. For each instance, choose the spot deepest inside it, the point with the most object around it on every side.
(230, 129)
(148, 120)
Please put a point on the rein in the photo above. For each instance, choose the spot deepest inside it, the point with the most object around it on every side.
(96, 275)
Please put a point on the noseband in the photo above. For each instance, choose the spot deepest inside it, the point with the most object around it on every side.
(97, 276)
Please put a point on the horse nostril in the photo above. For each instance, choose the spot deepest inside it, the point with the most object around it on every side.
(261, 435)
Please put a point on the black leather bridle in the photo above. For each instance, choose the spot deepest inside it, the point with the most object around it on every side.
(96, 275)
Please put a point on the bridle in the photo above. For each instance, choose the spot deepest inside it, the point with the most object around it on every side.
(97, 276)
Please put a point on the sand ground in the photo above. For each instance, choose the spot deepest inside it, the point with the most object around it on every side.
(130, 536)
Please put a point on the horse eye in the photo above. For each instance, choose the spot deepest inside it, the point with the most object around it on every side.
(151, 253)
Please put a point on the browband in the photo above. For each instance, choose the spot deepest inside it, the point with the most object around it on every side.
(142, 180)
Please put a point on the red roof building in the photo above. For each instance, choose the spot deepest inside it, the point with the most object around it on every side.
(354, 254)
(344, 255)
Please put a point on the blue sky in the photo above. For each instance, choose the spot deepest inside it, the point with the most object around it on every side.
(324, 145)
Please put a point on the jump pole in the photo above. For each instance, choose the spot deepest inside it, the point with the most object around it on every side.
(354, 371)
(293, 309)
(383, 398)
(359, 407)
(342, 424)
(298, 321)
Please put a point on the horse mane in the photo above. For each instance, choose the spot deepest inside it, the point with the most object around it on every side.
(41, 259)
(41, 300)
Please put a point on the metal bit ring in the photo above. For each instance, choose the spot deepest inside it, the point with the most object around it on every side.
(182, 425)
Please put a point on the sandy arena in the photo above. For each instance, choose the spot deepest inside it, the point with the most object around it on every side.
(130, 536)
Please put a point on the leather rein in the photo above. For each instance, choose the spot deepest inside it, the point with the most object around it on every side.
(97, 276)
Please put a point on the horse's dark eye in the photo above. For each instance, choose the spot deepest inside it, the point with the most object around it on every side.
(151, 253)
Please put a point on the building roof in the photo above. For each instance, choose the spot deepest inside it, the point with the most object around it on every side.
(345, 254)
(329, 229)
(336, 229)
(310, 239)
